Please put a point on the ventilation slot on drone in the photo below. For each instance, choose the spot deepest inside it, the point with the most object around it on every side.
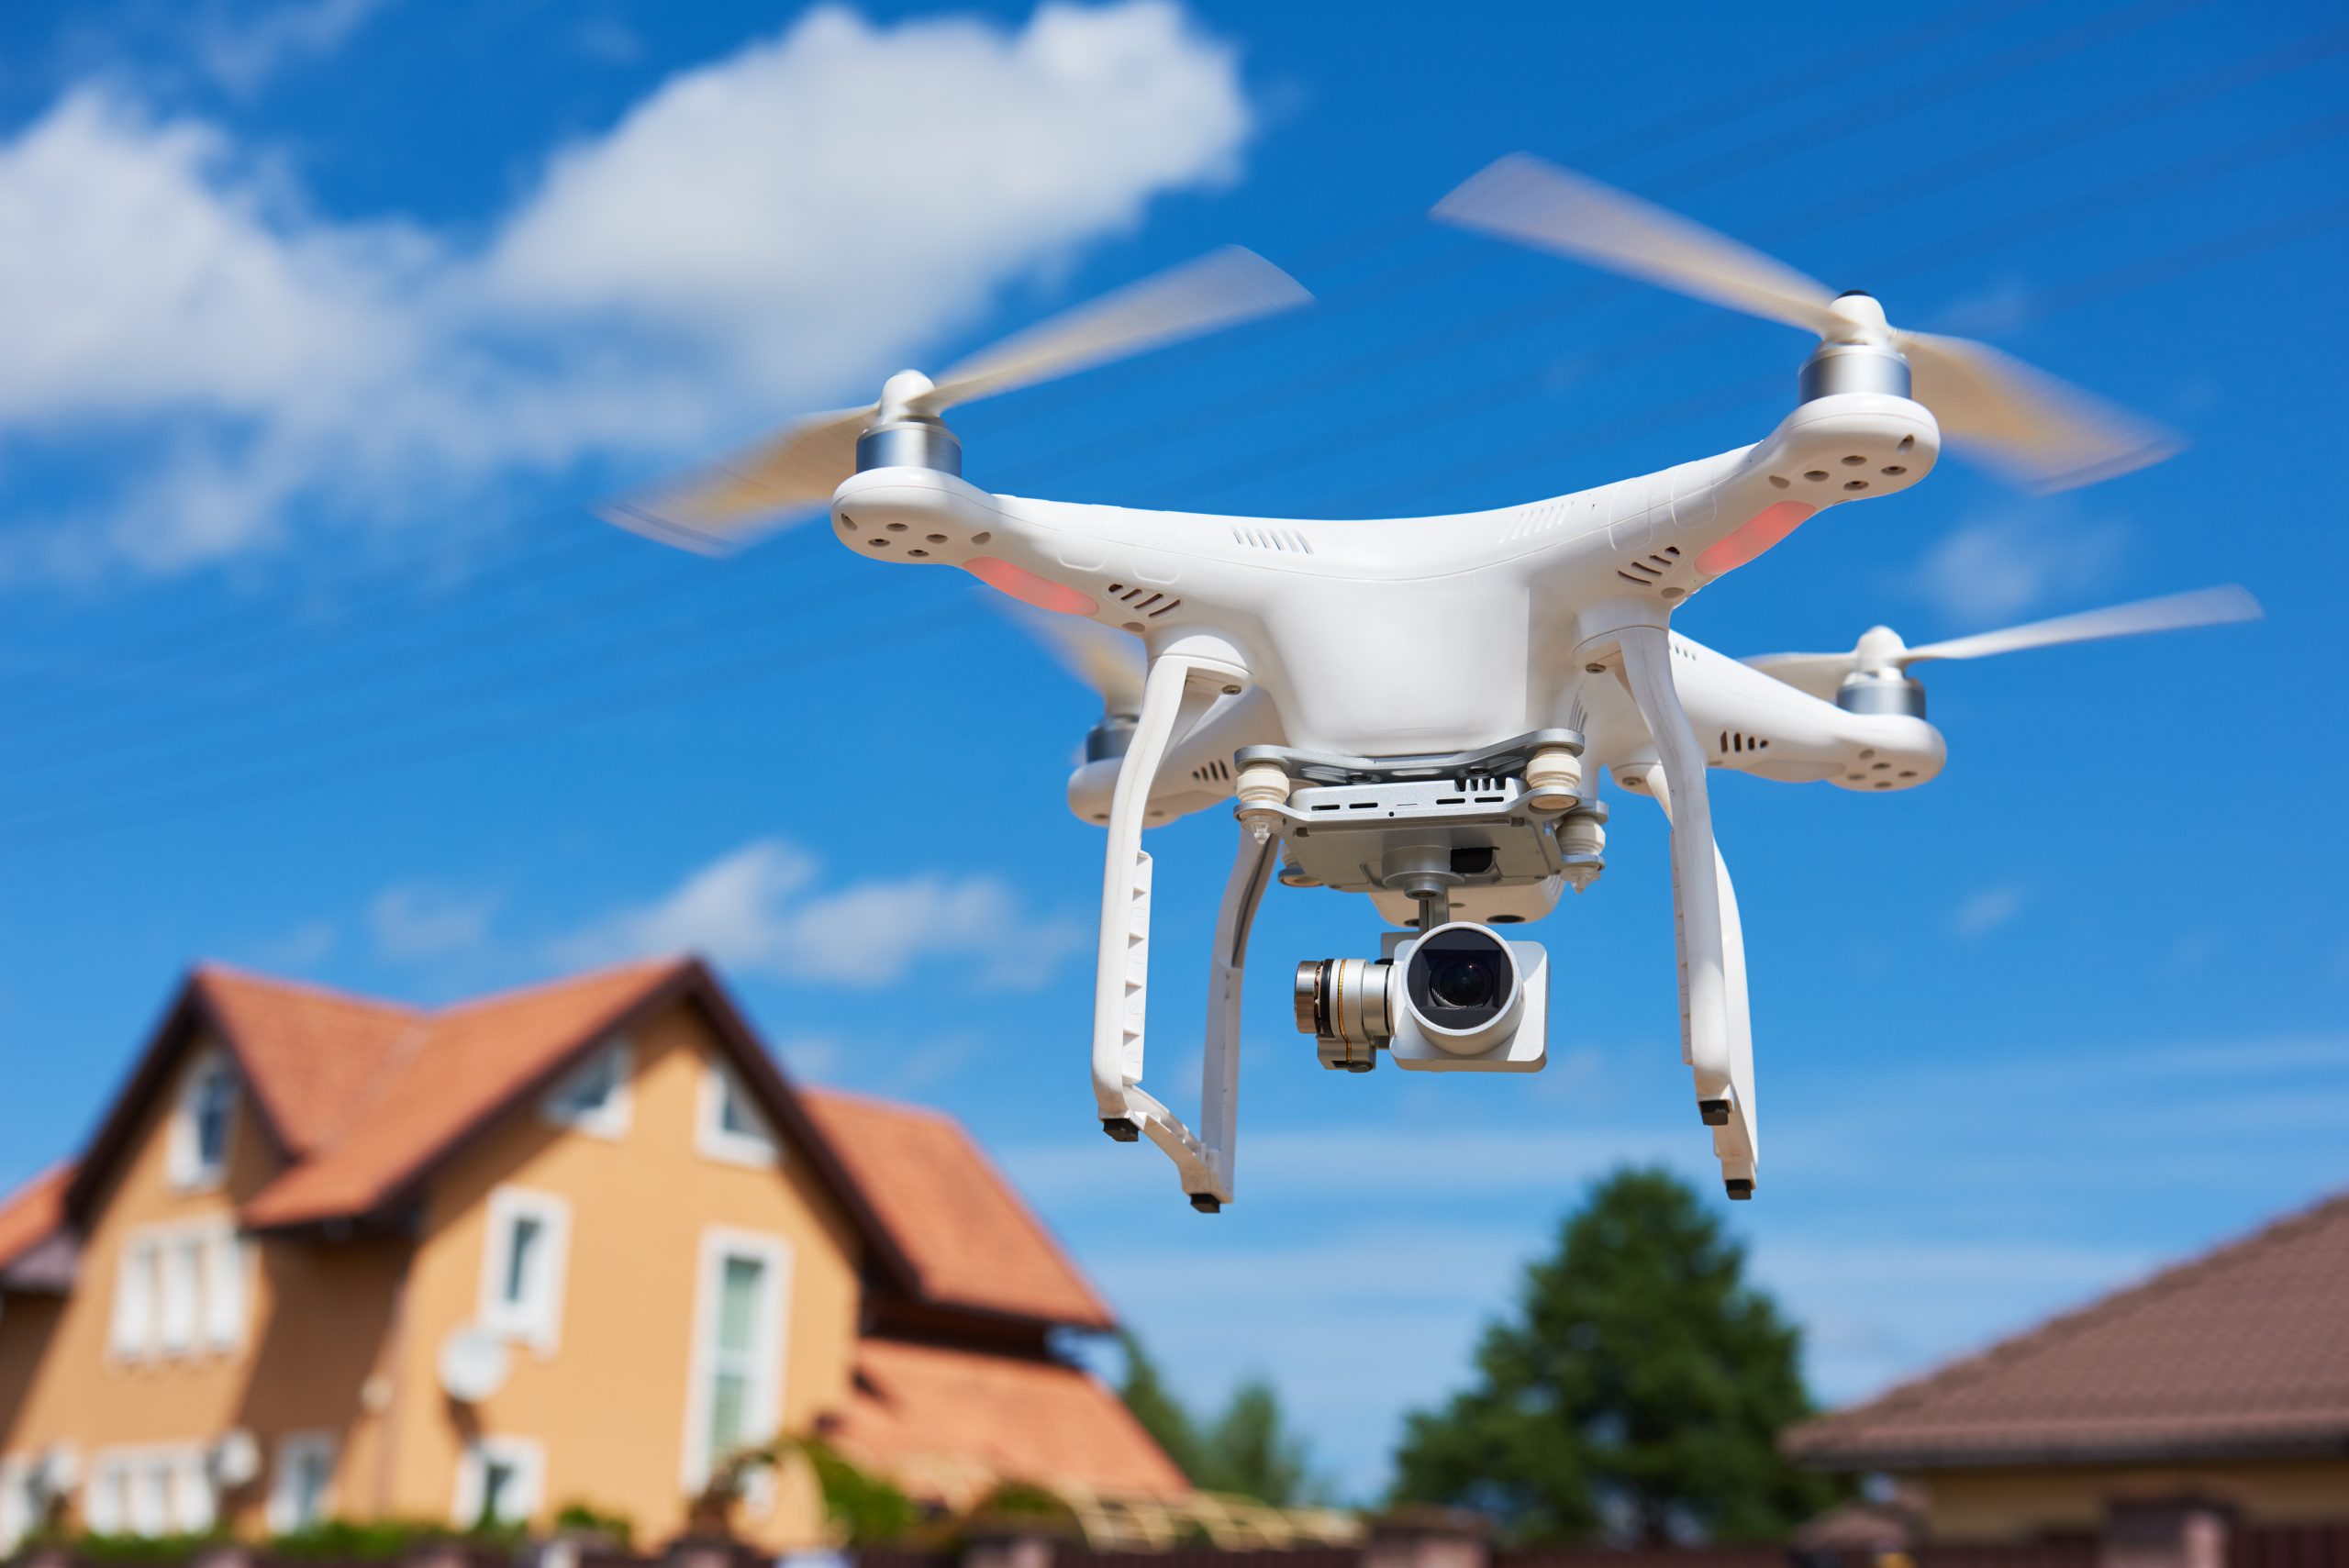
(1162, 609)
(1289, 541)
(1212, 772)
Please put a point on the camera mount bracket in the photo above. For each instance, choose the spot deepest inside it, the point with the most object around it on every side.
(1435, 828)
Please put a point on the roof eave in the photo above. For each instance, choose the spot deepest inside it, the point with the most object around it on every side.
(1864, 1458)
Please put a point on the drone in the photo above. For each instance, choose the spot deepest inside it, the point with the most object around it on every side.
(1421, 710)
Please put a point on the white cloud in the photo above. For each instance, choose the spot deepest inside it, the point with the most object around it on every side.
(2000, 565)
(762, 910)
(242, 52)
(784, 225)
(1988, 910)
(412, 922)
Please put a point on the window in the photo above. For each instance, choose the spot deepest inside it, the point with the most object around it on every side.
(522, 1265)
(729, 1125)
(179, 1289)
(593, 1098)
(204, 1122)
(21, 1501)
(498, 1479)
(300, 1493)
(157, 1491)
(736, 1395)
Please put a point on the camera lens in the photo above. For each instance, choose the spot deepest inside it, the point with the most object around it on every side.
(1461, 978)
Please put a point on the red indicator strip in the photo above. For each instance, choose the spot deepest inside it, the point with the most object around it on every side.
(1029, 589)
(1762, 530)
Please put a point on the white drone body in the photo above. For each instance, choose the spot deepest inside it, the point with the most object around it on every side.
(1420, 709)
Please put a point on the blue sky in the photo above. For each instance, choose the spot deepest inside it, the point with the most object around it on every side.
(327, 323)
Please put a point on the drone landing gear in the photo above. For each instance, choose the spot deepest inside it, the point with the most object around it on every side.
(1716, 1026)
(1179, 689)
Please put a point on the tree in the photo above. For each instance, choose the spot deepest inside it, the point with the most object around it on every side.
(1155, 1406)
(1635, 1395)
(1250, 1451)
(1247, 1450)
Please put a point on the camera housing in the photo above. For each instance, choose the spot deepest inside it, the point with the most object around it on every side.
(1460, 998)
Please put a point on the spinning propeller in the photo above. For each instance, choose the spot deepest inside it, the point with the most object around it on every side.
(1107, 659)
(2048, 435)
(1880, 652)
(717, 508)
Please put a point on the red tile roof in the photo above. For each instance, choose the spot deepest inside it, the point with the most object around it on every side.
(2242, 1351)
(308, 1053)
(31, 1214)
(365, 1098)
(950, 1423)
(970, 1239)
(447, 1075)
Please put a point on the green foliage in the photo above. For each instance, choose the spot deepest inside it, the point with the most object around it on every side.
(1250, 1451)
(1636, 1394)
(1155, 1406)
(1247, 1450)
(587, 1519)
(347, 1541)
(98, 1546)
(867, 1509)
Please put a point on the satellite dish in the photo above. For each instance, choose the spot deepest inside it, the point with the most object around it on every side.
(235, 1460)
(474, 1363)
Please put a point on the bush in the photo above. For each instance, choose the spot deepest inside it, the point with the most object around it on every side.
(587, 1518)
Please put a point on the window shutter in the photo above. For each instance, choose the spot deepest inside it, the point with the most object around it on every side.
(134, 1298)
(225, 1258)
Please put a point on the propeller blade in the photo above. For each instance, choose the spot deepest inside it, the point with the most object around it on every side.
(717, 509)
(1819, 675)
(1536, 203)
(2045, 433)
(1109, 661)
(2174, 611)
(1220, 289)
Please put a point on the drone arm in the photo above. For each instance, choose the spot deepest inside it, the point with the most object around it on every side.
(1715, 1040)
(1179, 689)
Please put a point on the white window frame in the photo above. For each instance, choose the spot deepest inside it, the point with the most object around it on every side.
(608, 1121)
(525, 1456)
(718, 1142)
(284, 1503)
(764, 1412)
(536, 1322)
(184, 1156)
(180, 1290)
(20, 1505)
(117, 1494)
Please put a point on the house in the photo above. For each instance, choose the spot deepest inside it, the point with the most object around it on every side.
(327, 1256)
(2217, 1392)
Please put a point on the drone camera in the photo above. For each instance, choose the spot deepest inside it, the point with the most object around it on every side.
(1459, 998)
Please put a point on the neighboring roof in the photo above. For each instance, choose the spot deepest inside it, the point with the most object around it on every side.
(970, 1239)
(364, 1100)
(33, 1213)
(948, 1424)
(2239, 1352)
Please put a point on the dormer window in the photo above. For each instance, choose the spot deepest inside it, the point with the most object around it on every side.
(594, 1096)
(730, 1127)
(204, 1122)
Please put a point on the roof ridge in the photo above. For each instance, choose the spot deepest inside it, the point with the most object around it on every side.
(2164, 1281)
(207, 970)
(662, 964)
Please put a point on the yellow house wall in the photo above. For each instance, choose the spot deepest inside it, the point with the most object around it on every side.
(61, 1382)
(2005, 1505)
(609, 1405)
